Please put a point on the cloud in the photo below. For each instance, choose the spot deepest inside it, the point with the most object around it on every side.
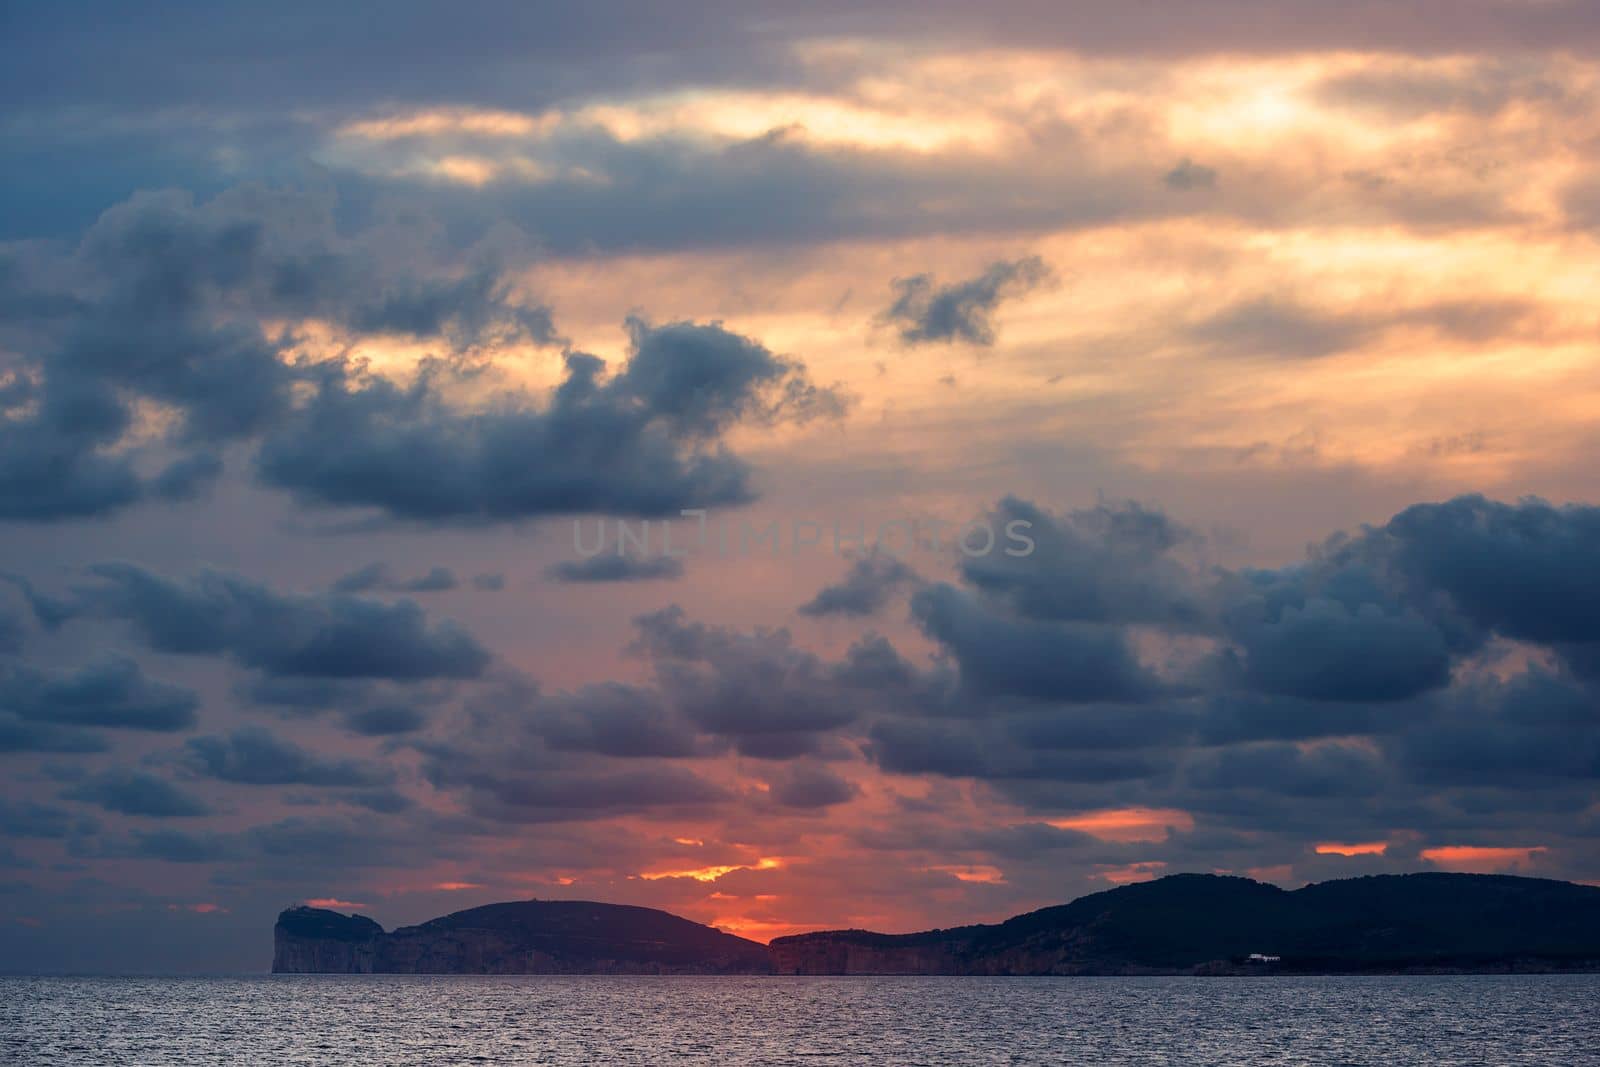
(615, 567)
(1110, 563)
(1283, 328)
(329, 635)
(611, 719)
(1530, 730)
(166, 305)
(1325, 651)
(384, 720)
(770, 698)
(137, 793)
(1410, 90)
(375, 577)
(27, 819)
(12, 631)
(1529, 570)
(188, 478)
(1052, 661)
(20, 735)
(865, 589)
(111, 692)
(253, 756)
(1188, 175)
(811, 787)
(645, 441)
(960, 311)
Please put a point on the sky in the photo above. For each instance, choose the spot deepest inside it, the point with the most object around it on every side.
(808, 466)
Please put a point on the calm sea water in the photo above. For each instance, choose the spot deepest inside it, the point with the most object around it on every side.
(337, 1019)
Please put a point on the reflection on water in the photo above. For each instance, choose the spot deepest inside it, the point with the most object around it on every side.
(403, 1019)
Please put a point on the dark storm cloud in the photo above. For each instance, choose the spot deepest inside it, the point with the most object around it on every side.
(165, 301)
(1326, 651)
(1104, 727)
(111, 692)
(137, 793)
(757, 689)
(1287, 770)
(925, 312)
(644, 441)
(51, 466)
(1529, 571)
(385, 719)
(865, 589)
(810, 787)
(301, 696)
(1049, 661)
(501, 787)
(20, 735)
(1110, 563)
(327, 635)
(615, 567)
(253, 756)
(906, 746)
(1344, 690)
(1532, 729)
(613, 720)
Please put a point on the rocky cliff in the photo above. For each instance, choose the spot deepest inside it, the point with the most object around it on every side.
(523, 937)
(316, 941)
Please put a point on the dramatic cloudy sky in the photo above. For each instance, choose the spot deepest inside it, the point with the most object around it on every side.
(1272, 323)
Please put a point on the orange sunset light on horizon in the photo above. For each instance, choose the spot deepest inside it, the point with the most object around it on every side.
(1483, 859)
(1368, 848)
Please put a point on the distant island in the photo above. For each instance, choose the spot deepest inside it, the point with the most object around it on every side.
(1182, 924)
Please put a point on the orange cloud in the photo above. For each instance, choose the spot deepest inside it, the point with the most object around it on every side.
(980, 872)
(451, 887)
(1126, 825)
(1366, 848)
(711, 874)
(333, 902)
(1482, 859)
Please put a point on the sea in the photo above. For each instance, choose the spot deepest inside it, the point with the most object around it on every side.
(291, 1020)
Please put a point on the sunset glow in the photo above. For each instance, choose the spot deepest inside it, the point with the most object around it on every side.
(1128, 824)
(1370, 848)
(529, 454)
(1481, 859)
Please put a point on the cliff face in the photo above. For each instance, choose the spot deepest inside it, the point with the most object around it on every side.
(526, 937)
(316, 941)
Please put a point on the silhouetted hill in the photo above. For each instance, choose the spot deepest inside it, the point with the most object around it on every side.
(1195, 923)
(523, 937)
(1183, 924)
